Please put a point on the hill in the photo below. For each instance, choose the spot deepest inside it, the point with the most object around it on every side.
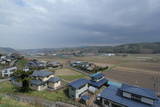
(6, 50)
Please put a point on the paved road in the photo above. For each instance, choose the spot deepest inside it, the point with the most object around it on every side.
(2, 80)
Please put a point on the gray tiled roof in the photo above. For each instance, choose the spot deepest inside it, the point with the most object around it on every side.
(78, 83)
(37, 82)
(41, 73)
(54, 79)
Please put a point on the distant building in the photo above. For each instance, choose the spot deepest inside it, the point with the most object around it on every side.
(128, 96)
(8, 72)
(78, 88)
(54, 64)
(109, 54)
(35, 64)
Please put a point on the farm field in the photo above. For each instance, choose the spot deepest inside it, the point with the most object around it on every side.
(135, 69)
(68, 74)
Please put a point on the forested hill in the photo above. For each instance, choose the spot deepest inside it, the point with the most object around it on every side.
(126, 48)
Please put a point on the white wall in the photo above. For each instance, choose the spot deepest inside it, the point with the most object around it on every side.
(54, 85)
(147, 100)
(125, 94)
(80, 91)
(47, 78)
(77, 92)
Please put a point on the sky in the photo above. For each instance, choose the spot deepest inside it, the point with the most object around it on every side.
(32, 24)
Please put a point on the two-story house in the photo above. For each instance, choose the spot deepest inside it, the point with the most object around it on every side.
(128, 96)
(78, 87)
(8, 72)
(40, 79)
(98, 80)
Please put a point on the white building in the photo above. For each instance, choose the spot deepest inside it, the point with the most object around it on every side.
(8, 72)
(77, 88)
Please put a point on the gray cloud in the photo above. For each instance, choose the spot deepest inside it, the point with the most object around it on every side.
(59, 23)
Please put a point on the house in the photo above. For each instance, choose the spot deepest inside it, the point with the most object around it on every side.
(40, 79)
(78, 88)
(54, 64)
(8, 72)
(98, 80)
(35, 64)
(86, 66)
(54, 82)
(128, 96)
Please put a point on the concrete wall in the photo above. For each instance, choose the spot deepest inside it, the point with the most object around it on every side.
(47, 78)
(39, 88)
(54, 85)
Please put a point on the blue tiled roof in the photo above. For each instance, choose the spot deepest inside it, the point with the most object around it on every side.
(78, 83)
(111, 93)
(85, 98)
(54, 79)
(138, 91)
(41, 73)
(37, 82)
(99, 83)
(97, 75)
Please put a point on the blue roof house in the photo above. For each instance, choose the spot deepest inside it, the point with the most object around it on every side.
(98, 80)
(129, 96)
(77, 88)
(54, 83)
(40, 79)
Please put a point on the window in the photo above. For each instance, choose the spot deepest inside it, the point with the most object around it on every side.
(106, 102)
(136, 97)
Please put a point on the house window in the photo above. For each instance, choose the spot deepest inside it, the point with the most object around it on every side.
(106, 102)
(136, 97)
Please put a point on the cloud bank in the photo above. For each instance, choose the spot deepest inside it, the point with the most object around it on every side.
(63, 23)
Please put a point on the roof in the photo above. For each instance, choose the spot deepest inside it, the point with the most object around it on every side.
(41, 73)
(37, 82)
(11, 68)
(99, 83)
(54, 79)
(112, 93)
(138, 91)
(97, 75)
(85, 98)
(78, 83)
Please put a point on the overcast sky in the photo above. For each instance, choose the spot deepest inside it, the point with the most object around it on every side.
(63, 23)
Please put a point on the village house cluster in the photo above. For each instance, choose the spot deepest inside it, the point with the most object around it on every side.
(41, 80)
(87, 66)
(112, 96)
(8, 62)
(36, 64)
(95, 89)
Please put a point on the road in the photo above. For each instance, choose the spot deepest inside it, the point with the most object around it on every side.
(3, 80)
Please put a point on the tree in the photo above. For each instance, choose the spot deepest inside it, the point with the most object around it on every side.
(24, 78)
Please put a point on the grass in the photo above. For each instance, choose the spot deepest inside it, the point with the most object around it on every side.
(59, 95)
(72, 77)
(8, 102)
